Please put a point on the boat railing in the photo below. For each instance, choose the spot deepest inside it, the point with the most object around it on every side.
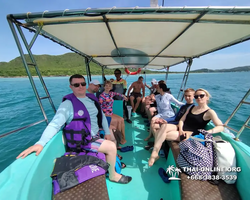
(22, 128)
(184, 80)
(26, 64)
(245, 125)
(27, 47)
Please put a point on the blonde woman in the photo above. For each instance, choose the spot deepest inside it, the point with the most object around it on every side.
(195, 118)
(106, 100)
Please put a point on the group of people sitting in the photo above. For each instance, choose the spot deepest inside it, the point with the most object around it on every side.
(164, 125)
(189, 120)
(94, 114)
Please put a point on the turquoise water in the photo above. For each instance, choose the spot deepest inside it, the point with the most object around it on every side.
(18, 106)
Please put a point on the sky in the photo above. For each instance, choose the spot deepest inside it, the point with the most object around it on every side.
(238, 55)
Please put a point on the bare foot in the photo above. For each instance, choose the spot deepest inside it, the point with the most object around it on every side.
(152, 160)
(123, 141)
(154, 157)
(115, 178)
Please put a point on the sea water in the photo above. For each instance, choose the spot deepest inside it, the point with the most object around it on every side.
(19, 107)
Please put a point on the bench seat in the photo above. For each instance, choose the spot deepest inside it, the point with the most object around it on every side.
(203, 190)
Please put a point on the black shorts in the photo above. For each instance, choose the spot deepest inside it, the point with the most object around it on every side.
(136, 95)
(153, 104)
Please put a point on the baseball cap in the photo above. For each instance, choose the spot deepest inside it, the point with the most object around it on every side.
(154, 81)
(95, 82)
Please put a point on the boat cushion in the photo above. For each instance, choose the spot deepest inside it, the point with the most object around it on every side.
(195, 189)
(72, 169)
(92, 189)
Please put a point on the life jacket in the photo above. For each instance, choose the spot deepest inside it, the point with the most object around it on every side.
(73, 169)
(78, 132)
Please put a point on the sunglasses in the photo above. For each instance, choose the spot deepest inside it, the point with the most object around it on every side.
(197, 96)
(117, 73)
(78, 84)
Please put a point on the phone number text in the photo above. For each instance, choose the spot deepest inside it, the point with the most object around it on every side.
(212, 177)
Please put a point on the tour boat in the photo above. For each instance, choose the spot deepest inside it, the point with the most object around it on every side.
(136, 39)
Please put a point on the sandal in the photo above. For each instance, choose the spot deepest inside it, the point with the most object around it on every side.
(119, 148)
(148, 147)
(119, 156)
(151, 143)
(123, 165)
(163, 175)
(162, 154)
(123, 179)
(127, 148)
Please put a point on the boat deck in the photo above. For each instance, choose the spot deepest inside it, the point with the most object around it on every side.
(146, 183)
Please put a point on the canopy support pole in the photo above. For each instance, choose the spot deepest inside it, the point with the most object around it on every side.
(179, 35)
(112, 37)
(184, 80)
(34, 64)
(167, 71)
(26, 66)
(87, 61)
(103, 74)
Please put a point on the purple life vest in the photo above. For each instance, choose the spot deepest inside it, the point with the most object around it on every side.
(78, 132)
(73, 169)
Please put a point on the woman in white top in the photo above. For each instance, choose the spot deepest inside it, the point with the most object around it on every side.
(164, 108)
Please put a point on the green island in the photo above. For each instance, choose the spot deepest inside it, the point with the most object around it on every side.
(71, 63)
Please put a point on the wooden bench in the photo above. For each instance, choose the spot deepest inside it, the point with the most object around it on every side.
(203, 190)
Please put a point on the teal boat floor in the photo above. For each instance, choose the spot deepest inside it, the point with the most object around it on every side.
(146, 183)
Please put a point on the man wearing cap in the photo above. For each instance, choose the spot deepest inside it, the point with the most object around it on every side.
(94, 86)
(153, 88)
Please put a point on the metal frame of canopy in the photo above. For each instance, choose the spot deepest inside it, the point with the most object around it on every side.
(183, 19)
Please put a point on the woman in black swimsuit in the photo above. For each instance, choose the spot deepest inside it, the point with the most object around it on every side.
(195, 118)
